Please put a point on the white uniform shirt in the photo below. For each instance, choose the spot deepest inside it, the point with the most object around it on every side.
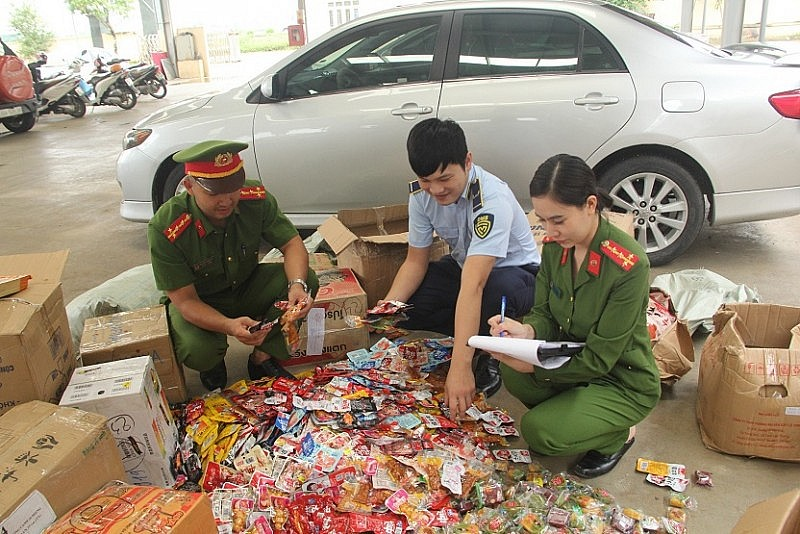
(486, 220)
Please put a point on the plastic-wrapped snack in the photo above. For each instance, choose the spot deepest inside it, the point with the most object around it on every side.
(703, 478)
(678, 500)
(532, 522)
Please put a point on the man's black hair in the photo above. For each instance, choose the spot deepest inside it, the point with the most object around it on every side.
(434, 144)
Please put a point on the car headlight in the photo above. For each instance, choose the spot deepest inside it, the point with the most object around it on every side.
(135, 138)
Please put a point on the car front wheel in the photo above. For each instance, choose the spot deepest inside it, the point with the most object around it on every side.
(666, 203)
(172, 185)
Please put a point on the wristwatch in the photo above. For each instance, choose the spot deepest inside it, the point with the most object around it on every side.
(297, 281)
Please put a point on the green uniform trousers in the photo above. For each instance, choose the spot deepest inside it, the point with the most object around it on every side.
(202, 349)
(575, 418)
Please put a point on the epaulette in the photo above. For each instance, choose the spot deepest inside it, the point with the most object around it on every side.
(255, 192)
(178, 226)
(476, 195)
(414, 187)
(619, 255)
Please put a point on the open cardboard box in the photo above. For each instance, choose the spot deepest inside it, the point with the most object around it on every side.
(373, 242)
(36, 353)
(778, 515)
(748, 392)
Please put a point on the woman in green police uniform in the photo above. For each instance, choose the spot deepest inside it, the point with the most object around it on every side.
(204, 247)
(592, 287)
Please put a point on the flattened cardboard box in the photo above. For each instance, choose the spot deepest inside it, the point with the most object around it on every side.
(52, 458)
(748, 391)
(123, 509)
(128, 392)
(373, 242)
(778, 515)
(135, 333)
(36, 353)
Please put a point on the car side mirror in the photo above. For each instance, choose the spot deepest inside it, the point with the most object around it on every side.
(267, 88)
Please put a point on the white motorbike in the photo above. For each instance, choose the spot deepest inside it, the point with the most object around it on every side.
(61, 94)
(113, 88)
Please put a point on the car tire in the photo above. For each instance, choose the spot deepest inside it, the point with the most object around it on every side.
(173, 185)
(665, 200)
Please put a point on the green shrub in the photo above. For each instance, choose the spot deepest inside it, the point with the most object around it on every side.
(263, 41)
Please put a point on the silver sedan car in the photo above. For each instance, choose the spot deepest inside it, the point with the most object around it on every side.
(677, 131)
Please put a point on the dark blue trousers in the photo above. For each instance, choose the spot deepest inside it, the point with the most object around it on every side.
(434, 303)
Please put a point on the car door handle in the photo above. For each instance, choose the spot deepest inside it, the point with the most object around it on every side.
(412, 109)
(596, 100)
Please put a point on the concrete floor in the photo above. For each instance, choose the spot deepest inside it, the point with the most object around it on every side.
(59, 192)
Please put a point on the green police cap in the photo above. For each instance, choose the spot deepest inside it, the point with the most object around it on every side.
(215, 165)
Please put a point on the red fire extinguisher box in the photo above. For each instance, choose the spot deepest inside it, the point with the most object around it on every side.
(297, 36)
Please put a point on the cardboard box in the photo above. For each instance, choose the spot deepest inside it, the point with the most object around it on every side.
(334, 344)
(135, 333)
(778, 515)
(326, 333)
(128, 392)
(36, 353)
(10, 284)
(123, 509)
(52, 458)
(748, 391)
(339, 296)
(622, 220)
(317, 261)
(373, 242)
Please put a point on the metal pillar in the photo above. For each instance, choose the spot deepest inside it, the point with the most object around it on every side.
(762, 28)
(732, 22)
(169, 32)
(687, 11)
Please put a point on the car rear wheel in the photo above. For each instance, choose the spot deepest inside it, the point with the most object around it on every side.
(665, 200)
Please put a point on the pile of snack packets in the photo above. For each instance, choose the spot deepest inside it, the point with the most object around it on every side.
(365, 445)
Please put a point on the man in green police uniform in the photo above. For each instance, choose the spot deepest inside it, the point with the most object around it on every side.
(204, 246)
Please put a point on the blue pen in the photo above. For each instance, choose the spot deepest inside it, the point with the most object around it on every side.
(502, 312)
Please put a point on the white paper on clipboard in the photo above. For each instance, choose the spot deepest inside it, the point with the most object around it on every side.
(526, 350)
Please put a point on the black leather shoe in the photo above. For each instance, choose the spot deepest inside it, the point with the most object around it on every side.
(216, 377)
(267, 368)
(593, 464)
(487, 374)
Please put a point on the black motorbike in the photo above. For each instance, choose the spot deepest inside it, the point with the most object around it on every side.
(148, 80)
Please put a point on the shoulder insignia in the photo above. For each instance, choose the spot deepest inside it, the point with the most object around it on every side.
(476, 195)
(619, 255)
(178, 226)
(201, 230)
(593, 265)
(414, 187)
(256, 192)
(482, 224)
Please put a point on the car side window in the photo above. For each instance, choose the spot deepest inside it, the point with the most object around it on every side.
(502, 44)
(394, 53)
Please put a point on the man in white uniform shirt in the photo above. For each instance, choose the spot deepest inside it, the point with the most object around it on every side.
(492, 254)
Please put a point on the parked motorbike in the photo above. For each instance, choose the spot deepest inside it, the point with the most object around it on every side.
(58, 94)
(112, 88)
(148, 80)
